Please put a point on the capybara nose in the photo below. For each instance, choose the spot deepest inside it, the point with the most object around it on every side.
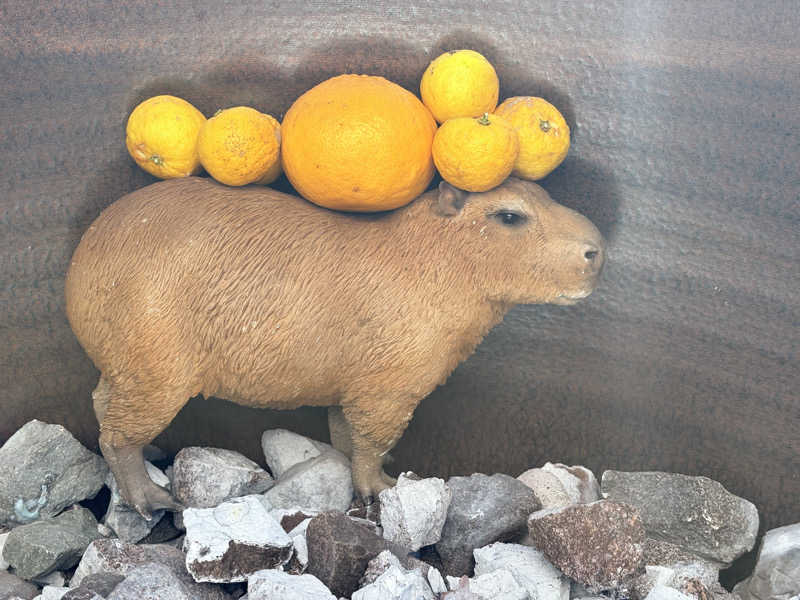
(594, 255)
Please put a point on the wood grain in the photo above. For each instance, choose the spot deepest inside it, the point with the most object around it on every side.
(686, 145)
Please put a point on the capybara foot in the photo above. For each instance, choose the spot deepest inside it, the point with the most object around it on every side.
(369, 482)
(136, 488)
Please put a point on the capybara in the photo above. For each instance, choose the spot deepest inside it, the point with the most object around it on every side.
(189, 287)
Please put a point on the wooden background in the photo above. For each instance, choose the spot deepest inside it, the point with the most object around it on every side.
(686, 145)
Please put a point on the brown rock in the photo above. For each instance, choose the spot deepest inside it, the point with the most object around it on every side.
(600, 544)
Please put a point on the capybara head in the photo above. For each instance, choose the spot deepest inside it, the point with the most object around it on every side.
(524, 248)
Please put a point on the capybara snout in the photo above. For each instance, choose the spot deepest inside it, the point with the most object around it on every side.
(190, 287)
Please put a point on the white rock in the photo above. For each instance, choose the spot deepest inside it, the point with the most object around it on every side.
(3, 564)
(662, 592)
(378, 566)
(777, 570)
(51, 592)
(529, 567)
(126, 523)
(283, 449)
(436, 581)
(233, 540)
(274, 584)
(396, 584)
(548, 488)
(559, 485)
(413, 512)
(497, 585)
(321, 484)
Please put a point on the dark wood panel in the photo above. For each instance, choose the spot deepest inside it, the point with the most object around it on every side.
(686, 145)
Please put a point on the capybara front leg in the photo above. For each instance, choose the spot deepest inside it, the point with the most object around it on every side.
(339, 429)
(135, 485)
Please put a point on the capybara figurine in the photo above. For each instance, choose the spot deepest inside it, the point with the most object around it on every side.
(189, 287)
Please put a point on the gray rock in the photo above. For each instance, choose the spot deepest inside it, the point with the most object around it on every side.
(560, 485)
(151, 581)
(695, 513)
(11, 586)
(496, 585)
(54, 579)
(3, 564)
(662, 592)
(413, 511)
(126, 523)
(396, 583)
(43, 470)
(600, 544)
(206, 477)
(482, 510)
(529, 567)
(233, 540)
(284, 449)
(120, 558)
(100, 584)
(41, 547)
(274, 584)
(777, 572)
(320, 484)
(51, 592)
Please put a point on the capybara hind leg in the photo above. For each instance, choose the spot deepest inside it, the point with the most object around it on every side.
(132, 419)
(135, 485)
(100, 397)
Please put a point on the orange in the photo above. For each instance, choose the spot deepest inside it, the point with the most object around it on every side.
(240, 145)
(358, 143)
(543, 135)
(460, 83)
(161, 136)
(475, 154)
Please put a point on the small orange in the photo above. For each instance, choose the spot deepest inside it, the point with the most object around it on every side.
(543, 135)
(459, 83)
(358, 143)
(240, 145)
(161, 136)
(475, 154)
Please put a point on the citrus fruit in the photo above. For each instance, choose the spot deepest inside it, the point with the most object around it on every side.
(543, 135)
(460, 83)
(475, 154)
(161, 136)
(358, 143)
(240, 145)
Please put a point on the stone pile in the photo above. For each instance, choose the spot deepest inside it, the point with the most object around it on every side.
(292, 531)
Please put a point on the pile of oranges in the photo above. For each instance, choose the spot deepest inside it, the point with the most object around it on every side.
(360, 142)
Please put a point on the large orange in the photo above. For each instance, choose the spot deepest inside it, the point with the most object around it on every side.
(358, 143)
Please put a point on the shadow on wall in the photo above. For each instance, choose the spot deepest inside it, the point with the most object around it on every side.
(252, 80)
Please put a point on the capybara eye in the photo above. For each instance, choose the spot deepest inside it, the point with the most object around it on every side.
(510, 218)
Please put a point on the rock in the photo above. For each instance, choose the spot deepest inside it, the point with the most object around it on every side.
(126, 523)
(43, 470)
(290, 518)
(53, 579)
(3, 564)
(462, 592)
(662, 592)
(559, 485)
(233, 540)
(378, 566)
(340, 549)
(777, 571)
(396, 584)
(151, 581)
(11, 586)
(41, 547)
(436, 581)
(413, 511)
(320, 484)
(599, 545)
(529, 567)
(299, 560)
(51, 592)
(482, 510)
(274, 584)
(163, 531)
(117, 557)
(206, 477)
(284, 449)
(694, 513)
(496, 585)
(96, 584)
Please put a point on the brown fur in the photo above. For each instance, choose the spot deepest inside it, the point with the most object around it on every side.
(189, 287)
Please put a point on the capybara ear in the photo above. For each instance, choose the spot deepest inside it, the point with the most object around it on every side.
(451, 200)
